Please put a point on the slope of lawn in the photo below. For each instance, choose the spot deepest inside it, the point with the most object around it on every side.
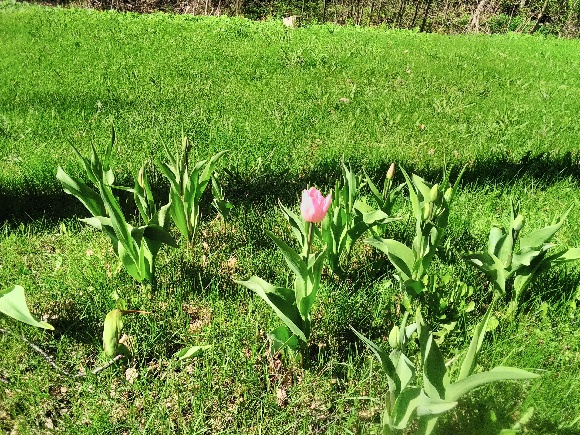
(288, 105)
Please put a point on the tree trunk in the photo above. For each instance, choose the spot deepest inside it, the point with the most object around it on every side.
(473, 25)
(415, 14)
(401, 12)
(537, 23)
(422, 28)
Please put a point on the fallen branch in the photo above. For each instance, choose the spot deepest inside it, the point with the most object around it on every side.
(49, 360)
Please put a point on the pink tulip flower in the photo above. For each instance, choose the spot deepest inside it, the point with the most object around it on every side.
(314, 206)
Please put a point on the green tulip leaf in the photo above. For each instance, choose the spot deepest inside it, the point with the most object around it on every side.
(282, 337)
(458, 389)
(159, 234)
(384, 360)
(296, 264)
(13, 304)
(468, 364)
(90, 199)
(400, 255)
(281, 300)
(537, 238)
(190, 352)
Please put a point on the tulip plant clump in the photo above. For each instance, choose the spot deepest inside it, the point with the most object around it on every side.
(293, 306)
(431, 205)
(438, 394)
(504, 261)
(349, 218)
(137, 247)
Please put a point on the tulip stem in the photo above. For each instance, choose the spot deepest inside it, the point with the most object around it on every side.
(308, 241)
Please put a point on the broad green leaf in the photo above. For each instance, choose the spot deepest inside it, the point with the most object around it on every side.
(525, 258)
(86, 165)
(458, 389)
(169, 173)
(571, 254)
(400, 255)
(144, 265)
(405, 369)
(435, 378)
(192, 351)
(413, 401)
(160, 234)
(506, 250)
(130, 264)
(434, 407)
(120, 226)
(493, 268)
(365, 221)
(306, 302)
(427, 423)
(210, 167)
(413, 287)
(524, 277)
(405, 406)
(423, 187)
(98, 222)
(468, 364)
(299, 226)
(374, 190)
(177, 212)
(109, 150)
(537, 238)
(384, 360)
(160, 218)
(90, 199)
(295, 263)
(281, 300)
(13, 304)
(412, 195)
(495, 241)
(281, 337)
(143, 195)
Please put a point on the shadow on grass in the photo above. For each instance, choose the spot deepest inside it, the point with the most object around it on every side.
(44, 198)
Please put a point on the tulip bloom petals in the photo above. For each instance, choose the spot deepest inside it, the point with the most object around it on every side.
(314, 206)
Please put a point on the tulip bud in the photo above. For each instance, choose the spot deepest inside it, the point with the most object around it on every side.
(391, 172)
(140, 177)
(448, 194)
(112, 332)
(314, 206)
(434, 192)
(426, 211)
(394, 337)
(518, 222)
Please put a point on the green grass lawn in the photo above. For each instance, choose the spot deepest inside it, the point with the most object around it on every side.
(288, 104)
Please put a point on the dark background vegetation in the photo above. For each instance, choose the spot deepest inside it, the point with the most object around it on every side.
(550, 17)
